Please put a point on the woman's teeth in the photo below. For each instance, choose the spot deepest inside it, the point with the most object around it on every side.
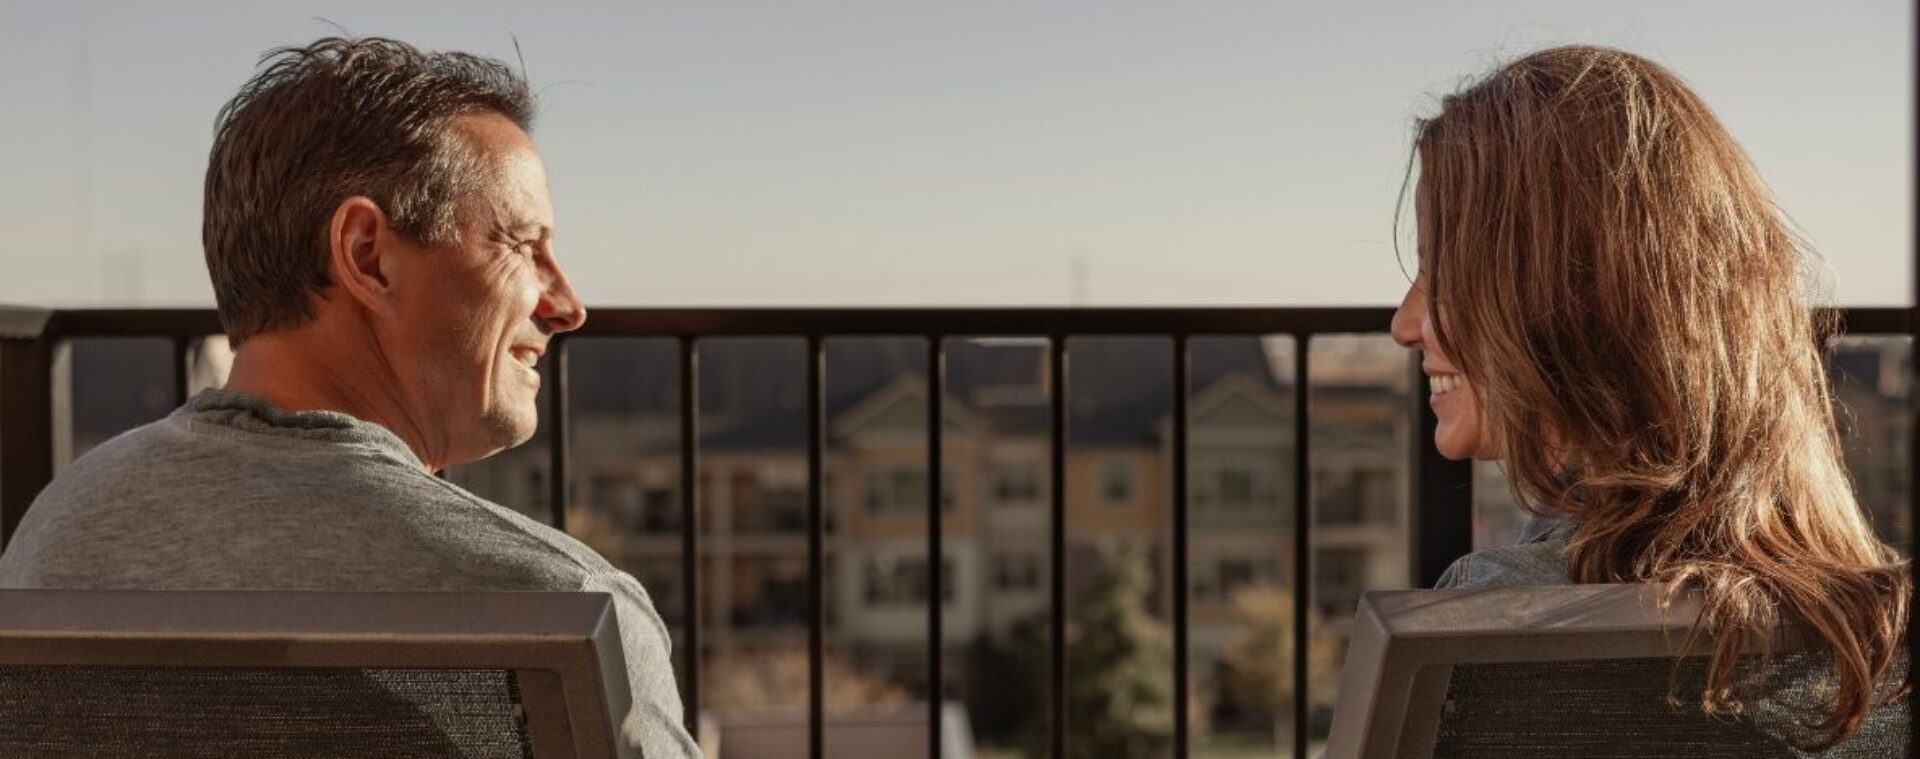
(1443, 383)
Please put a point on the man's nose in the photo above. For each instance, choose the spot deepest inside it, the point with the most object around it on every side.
(1405, 326)
(560, 307)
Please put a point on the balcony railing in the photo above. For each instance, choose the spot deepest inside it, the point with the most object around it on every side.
(1441, 490)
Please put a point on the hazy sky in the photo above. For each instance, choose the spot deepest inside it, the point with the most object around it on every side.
(920, 153)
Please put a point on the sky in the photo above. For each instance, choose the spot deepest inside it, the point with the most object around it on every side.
(836, 152)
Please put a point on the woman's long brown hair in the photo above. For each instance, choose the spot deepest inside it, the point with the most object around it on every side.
(1613, 276)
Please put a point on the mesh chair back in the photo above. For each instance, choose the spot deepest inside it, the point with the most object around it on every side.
(180, 712)
(1620, 708)
(305, 675)
(1565, 671)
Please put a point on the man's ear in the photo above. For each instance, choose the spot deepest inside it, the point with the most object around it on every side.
(357, 244)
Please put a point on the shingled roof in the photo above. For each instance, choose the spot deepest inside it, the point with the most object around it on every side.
(753, 389)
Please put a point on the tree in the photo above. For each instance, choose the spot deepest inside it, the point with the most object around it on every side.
(774, 678)
(1257, 672)
(1120, 697)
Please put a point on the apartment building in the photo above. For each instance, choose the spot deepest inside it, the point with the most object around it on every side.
(625, 498)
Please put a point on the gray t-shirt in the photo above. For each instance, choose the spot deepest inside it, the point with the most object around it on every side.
(229, 492)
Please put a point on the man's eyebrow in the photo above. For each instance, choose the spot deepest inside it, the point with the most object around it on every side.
(523, 230)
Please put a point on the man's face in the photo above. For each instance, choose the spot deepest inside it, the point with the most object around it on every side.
(472, 318)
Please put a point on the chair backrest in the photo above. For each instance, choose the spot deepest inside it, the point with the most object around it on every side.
(1560, 671)
(285, 674)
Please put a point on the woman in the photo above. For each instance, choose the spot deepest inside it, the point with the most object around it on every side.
(1609, 303)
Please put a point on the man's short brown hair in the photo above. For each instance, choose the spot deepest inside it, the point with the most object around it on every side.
(322, 123)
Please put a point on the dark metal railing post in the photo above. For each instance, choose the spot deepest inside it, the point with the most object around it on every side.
(816, 601)
(1302, 541)
(1913, 498)
(690, 532)
(1442, 516)
(182, 369)
(936, 526)
(1913, 408)
(560, 482)
(1057, 550)
(26, 425)
(1182, 388)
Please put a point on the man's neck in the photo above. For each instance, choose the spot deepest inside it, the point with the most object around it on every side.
(286, 369)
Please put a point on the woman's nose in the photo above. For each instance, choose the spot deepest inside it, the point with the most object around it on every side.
(1405, 327)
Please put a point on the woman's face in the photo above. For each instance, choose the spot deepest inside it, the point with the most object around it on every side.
(1462, 432)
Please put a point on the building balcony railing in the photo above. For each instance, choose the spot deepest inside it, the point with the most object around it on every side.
(1437, 523)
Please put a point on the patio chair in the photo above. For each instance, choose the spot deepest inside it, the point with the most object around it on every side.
(1563, 671)
(286, 674)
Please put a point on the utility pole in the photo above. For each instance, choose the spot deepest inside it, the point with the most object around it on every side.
(1078, 279)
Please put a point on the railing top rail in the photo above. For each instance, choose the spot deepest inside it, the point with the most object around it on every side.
(33, 323)
(24, 323)
(1016, 321)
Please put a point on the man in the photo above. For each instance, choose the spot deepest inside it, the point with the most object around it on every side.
(380, 241)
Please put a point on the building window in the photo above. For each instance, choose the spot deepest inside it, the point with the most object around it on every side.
(1340, 575)
(1220, 579)
(1237, 489)
(902, 490)
(1016, 483)
(608, 493)
(1241, 572)
(1016, 571)
(660, 510)
(773, 509)
(903, 581)
(618, 497)
(1355, 496)
(1116, 482)
(769, 593)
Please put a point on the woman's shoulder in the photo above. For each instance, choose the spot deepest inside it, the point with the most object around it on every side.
(1540, 560)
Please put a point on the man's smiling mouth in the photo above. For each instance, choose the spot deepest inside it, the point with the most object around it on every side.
(527, 355)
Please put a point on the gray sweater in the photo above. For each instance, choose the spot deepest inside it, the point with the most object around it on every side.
(229, 492)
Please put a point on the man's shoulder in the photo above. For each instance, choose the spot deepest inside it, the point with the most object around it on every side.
(176, 460)
(135, 443)
(128, 459)
(474, 523)
(185, 506)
